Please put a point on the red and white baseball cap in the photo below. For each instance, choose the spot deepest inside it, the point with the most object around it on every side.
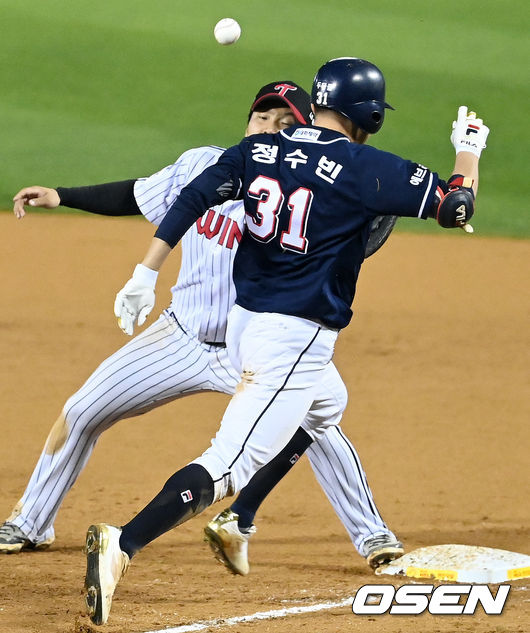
(285, 93)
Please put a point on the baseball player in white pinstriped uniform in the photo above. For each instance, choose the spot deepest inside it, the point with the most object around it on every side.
(183, 352)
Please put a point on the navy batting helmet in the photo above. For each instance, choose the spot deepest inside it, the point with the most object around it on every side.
(353, 87)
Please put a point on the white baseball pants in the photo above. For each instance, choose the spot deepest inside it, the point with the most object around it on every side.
(287, 381)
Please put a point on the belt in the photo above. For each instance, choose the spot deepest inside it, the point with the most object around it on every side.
(210, 343)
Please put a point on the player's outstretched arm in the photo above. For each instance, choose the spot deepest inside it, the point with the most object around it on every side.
(111, 198)
(35, 196)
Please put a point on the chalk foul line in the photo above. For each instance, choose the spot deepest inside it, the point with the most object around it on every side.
(204, 625)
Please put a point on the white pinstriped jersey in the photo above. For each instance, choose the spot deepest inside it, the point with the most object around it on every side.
(204, 292)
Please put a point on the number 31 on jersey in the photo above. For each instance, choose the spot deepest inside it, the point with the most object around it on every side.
(264, 225)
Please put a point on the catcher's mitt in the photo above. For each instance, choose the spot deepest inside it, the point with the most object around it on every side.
(381, 228)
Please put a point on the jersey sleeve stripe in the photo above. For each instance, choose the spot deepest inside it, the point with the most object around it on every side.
(427, 192)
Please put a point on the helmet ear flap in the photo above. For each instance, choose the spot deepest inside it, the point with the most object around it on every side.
(369, 115)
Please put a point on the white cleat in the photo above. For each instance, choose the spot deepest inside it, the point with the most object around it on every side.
(105, 565)
(228, 543)
(381, 550)
(13, 540)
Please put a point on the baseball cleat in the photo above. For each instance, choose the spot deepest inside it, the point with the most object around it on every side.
(13, 540)
(381, 550)
(228, 543)
(105, 565)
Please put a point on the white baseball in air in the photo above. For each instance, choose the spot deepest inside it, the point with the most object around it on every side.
(227, 31)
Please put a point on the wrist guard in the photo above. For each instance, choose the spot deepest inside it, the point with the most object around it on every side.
(454, 204)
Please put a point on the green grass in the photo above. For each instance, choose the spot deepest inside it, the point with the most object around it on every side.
(96, 90)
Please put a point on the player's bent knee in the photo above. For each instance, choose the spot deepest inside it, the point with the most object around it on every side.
(220, 475)
(193, 486)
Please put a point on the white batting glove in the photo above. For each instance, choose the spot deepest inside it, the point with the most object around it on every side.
(469, 133)
(136, 299)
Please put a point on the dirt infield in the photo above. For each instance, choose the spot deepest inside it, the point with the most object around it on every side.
(436, 365)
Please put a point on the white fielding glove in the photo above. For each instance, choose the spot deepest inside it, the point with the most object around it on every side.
(136, 299)
(469, 133)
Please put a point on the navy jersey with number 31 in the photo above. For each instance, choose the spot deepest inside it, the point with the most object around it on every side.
(310, 196)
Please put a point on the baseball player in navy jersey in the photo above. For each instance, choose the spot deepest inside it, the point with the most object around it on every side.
(183, 352)
(310, 195)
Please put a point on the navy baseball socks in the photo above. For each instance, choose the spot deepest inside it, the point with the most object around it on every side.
(109, 548)
(186, 493)
(250, 498)
(190, 491)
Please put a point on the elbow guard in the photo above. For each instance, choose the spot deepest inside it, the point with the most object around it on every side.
(454, 207)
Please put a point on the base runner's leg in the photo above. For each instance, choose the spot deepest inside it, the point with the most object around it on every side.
(338, 470)
(254, 493)
(327, 408)
(159, 365)
(278, 387)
